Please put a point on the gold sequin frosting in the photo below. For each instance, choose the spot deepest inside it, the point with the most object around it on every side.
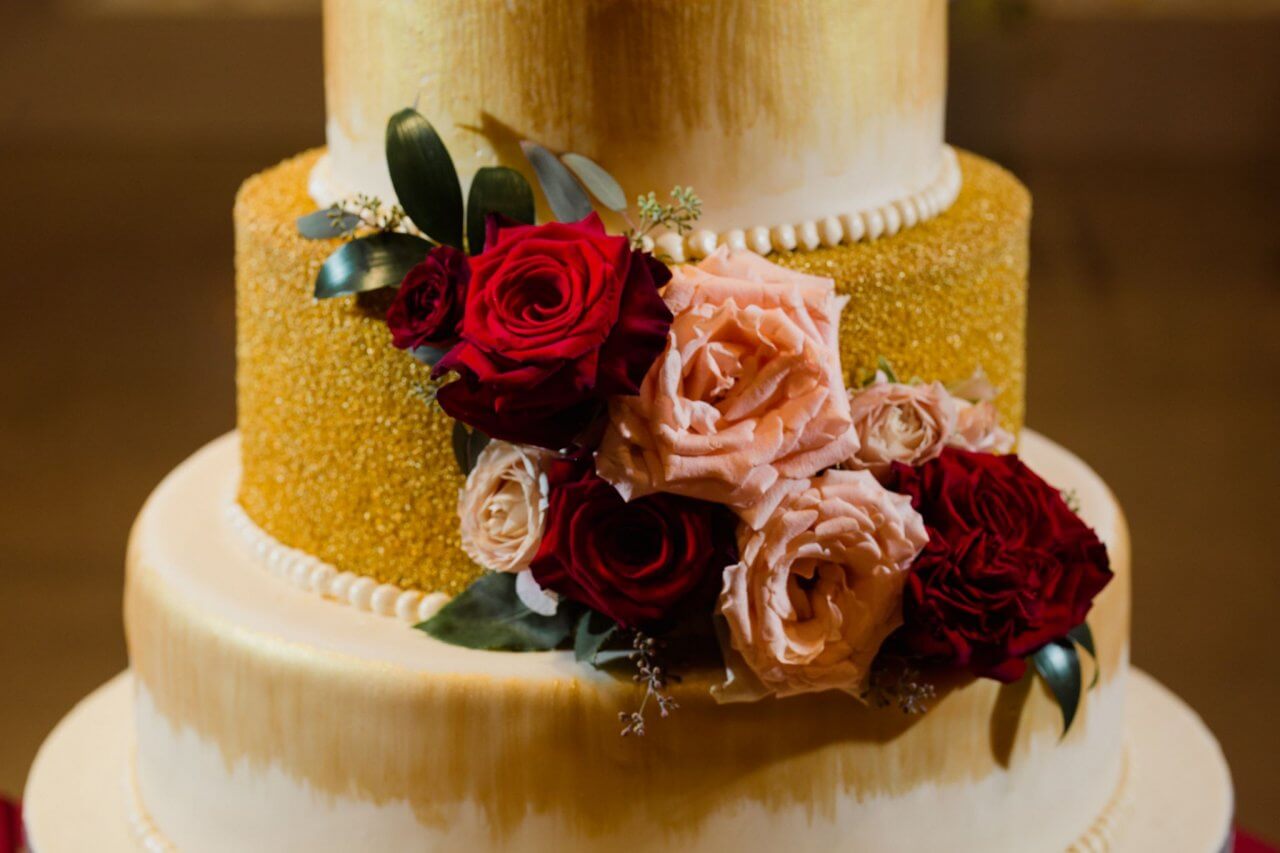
(343, 459)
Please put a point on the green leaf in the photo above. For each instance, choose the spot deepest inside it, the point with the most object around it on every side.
(424, 177)
(327, 224)
(600, 183)
(496, 189)
(593, 631)
(883, 365)
(1082, 635)
(427, 354)
(370, 263)
(1059, 665)
(489, 615)
(569, 201)
(467, 444)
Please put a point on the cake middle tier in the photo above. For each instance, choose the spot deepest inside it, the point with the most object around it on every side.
(345, 459)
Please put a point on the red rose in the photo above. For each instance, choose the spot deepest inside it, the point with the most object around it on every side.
(558, 317)
(636, 562)
(1008, 567)
(427, 309)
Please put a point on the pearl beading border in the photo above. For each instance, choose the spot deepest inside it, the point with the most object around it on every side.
(862, 226)
(1100, 837)
(311, 574)
(145, 831)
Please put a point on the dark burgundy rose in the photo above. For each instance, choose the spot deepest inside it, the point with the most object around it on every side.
(1008, 567)
(641, 563)
(427, 309)
(10, 827)
(558, 317)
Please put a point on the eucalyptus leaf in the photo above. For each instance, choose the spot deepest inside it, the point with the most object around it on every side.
(370, 263)
(496, 189)
(569, 201)
(883, 365)
(467, 444)
(424, 177)
(593, 631)
(427, 354)
(489, 615)
(600, 183)
(1059, 665)
(327, 224)
(1082, 635)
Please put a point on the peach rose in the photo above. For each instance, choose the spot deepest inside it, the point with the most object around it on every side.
(819, 586)
(502, 506)
(747, 397)
(978, 429)
(900, 423)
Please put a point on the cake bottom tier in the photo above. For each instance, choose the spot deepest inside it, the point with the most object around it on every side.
(269, 718)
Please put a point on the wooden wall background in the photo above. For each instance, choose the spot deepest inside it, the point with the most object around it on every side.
(1150, 141)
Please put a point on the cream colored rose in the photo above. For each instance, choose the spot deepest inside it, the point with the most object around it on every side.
(819, 586)
(978, 429)
(502, 506)
(748, 396)
(900, 423)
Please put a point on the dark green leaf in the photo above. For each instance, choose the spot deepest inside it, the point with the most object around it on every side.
(601, 184)
(427, 354)
(489, 615)
(1082, 635)
(425, 179)
(887, 369)
(370, 263)
(568, 200)
(593, 631)
(1059, 665)
(496, 189)
(467, 444)
(327, 224)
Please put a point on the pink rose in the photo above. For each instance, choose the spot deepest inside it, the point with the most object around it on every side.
(747, 397)
(900, 423)
(502, 506)
(978, 429)
(820, 584)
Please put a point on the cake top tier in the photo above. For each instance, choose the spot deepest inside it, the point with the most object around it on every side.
(778, 112)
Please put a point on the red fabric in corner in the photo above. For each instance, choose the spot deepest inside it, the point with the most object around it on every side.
(10, 826)
(1246, 843)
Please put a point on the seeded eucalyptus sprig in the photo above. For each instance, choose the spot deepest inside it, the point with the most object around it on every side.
(901, 685)
(678, 215)
(646, 654)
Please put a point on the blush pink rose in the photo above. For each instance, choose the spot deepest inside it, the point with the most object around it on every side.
(978, 429)
(748, 396)
(820, 585)
(900, 423)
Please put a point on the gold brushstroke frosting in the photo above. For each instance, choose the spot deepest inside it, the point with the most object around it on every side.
(356, 707)
(344, 460)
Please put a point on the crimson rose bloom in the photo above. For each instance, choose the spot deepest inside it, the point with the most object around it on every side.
(1008, 567)
(558, 317)
(636, 562)
(427, 309)
(10, 827)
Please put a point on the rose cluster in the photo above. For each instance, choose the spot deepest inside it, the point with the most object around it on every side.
(681, 443)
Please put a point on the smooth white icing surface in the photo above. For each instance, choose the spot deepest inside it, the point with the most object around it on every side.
(202, 799)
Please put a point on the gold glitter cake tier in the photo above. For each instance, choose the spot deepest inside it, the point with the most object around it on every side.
(343, 459)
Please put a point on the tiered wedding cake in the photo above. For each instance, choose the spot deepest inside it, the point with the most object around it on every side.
(877, 611)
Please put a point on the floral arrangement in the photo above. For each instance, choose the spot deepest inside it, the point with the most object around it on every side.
(666, 463)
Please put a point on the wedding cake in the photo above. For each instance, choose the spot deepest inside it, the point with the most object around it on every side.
(630, 456)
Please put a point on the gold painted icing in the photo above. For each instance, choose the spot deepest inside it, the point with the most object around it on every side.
(549, 745)
(343, 459)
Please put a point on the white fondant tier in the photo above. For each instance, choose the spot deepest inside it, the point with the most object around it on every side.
(270, 718)
(799, 122)
(80, 794)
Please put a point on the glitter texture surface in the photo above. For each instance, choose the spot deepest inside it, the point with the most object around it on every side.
(343, 459)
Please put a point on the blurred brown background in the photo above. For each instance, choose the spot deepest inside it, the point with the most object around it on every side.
(1148, 132)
